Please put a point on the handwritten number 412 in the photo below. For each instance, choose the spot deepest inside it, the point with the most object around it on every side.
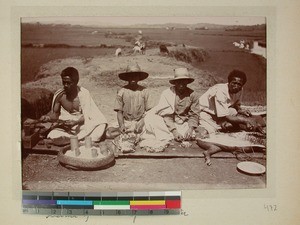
(271, 208)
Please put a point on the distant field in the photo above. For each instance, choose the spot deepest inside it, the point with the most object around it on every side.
(77, 36)
(223, 56)
(33, 58)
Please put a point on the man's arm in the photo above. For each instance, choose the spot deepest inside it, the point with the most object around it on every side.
(119, 104)
(169, 121)
(222, 111)
(238, 120)
(193, 120)
(148, 103)
(120, 119)
(235, 119)
(53, 115)
(241, 111)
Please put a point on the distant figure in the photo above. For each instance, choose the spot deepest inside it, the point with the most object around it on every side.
(118, 52)
(137, 43)
(247, 47)
(183, 45)
(163, 49)
(137, 49)
(236, 44)
(143, 48)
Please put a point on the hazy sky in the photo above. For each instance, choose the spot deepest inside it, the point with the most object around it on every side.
(105, 20)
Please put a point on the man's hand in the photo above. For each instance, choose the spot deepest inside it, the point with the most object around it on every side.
(188, 134)
(45, 118)
(226, 125)
(251, 125)
(123, 129)
(139, 126)
(70, 123)
(178, 137)
(244, 112)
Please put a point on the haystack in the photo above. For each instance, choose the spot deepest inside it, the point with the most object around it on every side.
(35, 102)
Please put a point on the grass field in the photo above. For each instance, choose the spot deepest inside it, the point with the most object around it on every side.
(223, 56)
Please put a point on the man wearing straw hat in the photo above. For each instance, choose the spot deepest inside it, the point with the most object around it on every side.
(176, 115)
(131, 103)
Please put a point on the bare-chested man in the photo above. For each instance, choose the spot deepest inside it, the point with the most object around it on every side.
(75, 109)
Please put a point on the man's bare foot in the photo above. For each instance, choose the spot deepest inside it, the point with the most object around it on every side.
(207, 158)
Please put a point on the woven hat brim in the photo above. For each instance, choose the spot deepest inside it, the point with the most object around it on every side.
(182, 78)
(125, 76)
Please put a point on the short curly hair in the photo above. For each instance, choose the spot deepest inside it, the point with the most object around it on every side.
(72, 73)
(237, 73)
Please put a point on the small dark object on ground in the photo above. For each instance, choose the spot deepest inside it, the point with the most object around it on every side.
(163, 49)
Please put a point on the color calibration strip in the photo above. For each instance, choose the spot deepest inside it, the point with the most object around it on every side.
(120, 203)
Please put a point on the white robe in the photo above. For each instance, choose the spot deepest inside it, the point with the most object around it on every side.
(94, 120)
(155, 126)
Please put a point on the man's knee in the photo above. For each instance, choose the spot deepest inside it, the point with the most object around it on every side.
(201, 132)
(98, 132)
(232, 112)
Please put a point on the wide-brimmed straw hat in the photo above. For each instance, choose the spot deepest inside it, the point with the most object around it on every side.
(133, 70)
(181, 74)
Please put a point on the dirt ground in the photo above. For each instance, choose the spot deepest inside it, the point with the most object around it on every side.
(44, 172)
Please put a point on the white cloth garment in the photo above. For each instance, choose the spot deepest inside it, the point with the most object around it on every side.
(94, 121)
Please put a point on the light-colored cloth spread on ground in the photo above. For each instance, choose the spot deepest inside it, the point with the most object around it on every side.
(171, 113)
(237, 139)
(94, 120)
(216, 102)
(133, 104)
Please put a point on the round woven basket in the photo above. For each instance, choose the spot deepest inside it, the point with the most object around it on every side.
(88, 164)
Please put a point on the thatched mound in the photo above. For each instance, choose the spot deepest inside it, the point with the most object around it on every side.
(189, 55)
(35, 102)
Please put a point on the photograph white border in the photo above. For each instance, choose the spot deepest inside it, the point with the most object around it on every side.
(237, 206)
(21, 12)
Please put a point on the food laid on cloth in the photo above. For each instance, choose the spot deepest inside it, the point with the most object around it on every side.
(153, 145)
(185, 144)
(126, 143)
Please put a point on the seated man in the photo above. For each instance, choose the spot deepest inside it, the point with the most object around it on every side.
(75, 109)
(177, 114)
(220, 110)
(131, 104)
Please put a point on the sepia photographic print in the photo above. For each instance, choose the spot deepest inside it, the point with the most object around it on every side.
(143, 103)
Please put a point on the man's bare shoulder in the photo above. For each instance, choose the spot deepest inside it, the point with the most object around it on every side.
(59, 95)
